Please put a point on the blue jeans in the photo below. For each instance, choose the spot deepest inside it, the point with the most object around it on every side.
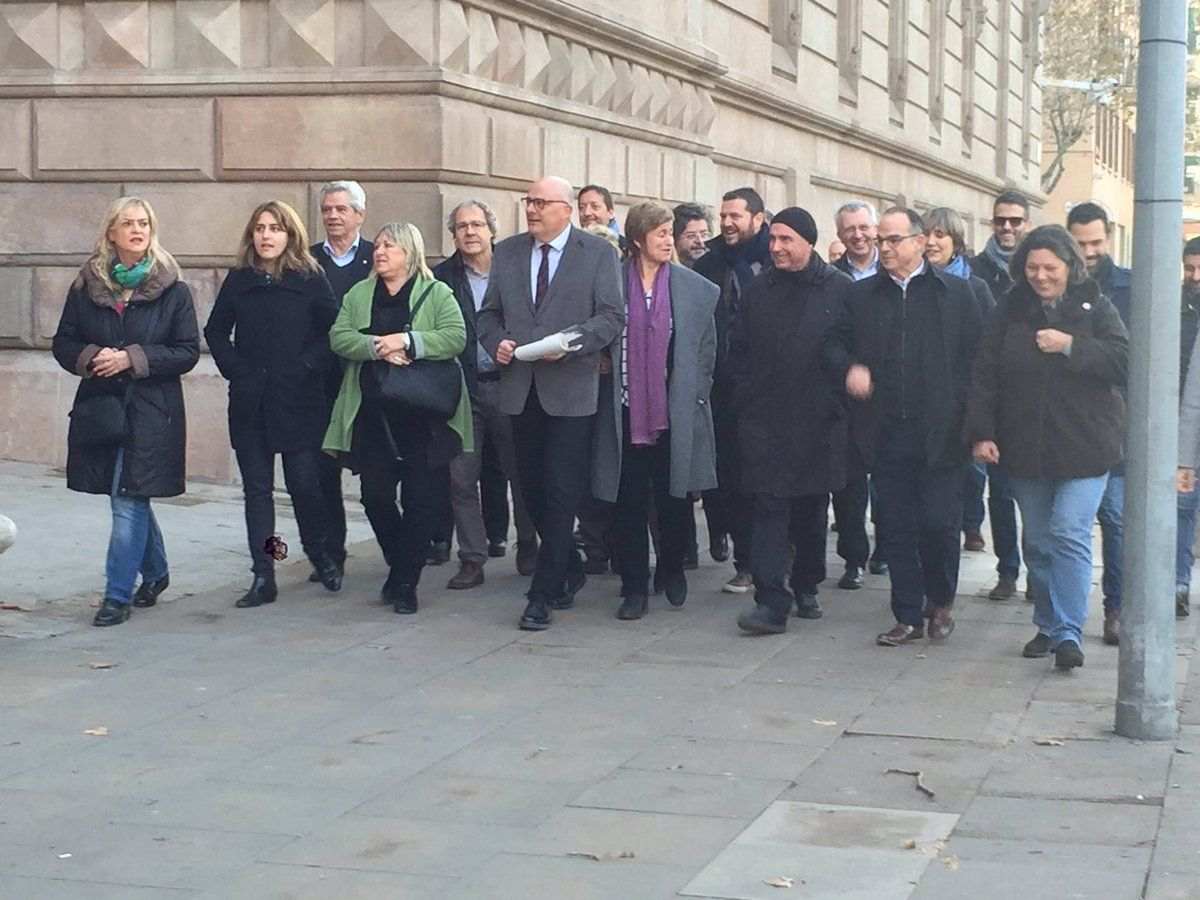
(1185, 537)
(1058, 517)
(1112, 539)
(974, 482)
(135, 544)
(1003, 513)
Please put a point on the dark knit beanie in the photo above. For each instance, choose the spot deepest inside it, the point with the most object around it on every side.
(799, 220)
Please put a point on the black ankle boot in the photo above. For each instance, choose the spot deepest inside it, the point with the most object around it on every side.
(405, 599)
(262, 590)
(111, 613)
(329, 573)
(148, 591)
(633, 606)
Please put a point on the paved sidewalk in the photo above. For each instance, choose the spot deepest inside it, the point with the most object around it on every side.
(324, 747)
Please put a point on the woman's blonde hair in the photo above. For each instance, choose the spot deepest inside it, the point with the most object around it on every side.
(296, 255)
(103, 258)
(407, 237)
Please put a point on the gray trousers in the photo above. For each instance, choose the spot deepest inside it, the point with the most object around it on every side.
(490, 425)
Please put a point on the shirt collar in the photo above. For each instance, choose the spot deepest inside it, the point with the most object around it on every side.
(904, 284)
(353, 251)
(873, 264)
(558, 243)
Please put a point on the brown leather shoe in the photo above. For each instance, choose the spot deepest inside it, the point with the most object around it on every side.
(900, 634)
(1112, 628)
(941, 623)
(470, 574)
(974, 542)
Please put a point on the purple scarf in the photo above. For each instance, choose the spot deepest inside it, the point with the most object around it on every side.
(648, 339)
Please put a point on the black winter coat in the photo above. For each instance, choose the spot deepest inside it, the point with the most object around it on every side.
(792, 418)
(1052, 416)
(997, 279)
(278, 356)
(159, 332)
(948, 356)
(452, 272)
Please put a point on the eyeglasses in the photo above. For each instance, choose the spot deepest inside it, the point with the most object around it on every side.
(470, 226)
(1013, 222)
(539, 203)
(894, 240)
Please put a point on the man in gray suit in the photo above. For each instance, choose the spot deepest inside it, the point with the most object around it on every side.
(554, 278)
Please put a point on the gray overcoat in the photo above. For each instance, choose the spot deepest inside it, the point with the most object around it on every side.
(693, 356)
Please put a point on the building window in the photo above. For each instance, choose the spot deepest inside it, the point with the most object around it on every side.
(938, 10)
(898, 59)
(850, 30)
(785, 37)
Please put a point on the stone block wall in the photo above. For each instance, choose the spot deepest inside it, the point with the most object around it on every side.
(207, 107)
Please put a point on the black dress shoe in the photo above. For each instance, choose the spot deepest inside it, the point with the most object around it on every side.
(527, 552)
(439, 553)
(262, 590)
(761, 621)
(497, 549)
(111, 612)
(852, 580)
(148, 591)
(633, 606)
(675, 587)
(404, 600)
(807, 605)
(1067, 655)
(314, 577)
(1037, 648)
(877, 567)
(536, 617)
(329, 573)
(575, 582)
(718, 548)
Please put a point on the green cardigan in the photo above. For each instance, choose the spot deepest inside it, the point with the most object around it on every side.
(438, 332)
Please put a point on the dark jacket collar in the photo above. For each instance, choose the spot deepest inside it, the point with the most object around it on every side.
(1079, 299)
(815, 273)
(157, 283)
(1111, 277)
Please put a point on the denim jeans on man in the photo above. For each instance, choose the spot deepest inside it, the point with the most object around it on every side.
(135, 544)
(1185, 537)
(1112, 538)
(1058, 516)
(1002, 512)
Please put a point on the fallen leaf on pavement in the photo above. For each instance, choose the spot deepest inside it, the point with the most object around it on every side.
(64, 856)
(607, 857)
(828, 723)
(98, 731)
(102, 665)
(951, 863)
(782, 881)
(910, 844)
(1049, 742)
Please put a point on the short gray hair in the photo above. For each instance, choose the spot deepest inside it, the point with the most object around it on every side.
(354, 190)
(852, 207)
(944, 219)
(488, 215)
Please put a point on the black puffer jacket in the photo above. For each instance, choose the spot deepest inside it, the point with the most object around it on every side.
(1052, 416)
(278, 356)
(158, 330)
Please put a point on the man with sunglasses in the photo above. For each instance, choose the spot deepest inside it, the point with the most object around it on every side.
(553, 278)
(911, 333)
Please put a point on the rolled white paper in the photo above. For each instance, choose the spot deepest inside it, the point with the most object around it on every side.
(550, 345)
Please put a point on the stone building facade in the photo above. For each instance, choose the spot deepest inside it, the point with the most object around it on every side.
(206, 107)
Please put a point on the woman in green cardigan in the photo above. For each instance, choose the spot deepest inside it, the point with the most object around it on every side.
(398, 315)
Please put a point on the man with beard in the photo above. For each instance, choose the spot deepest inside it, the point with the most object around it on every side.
(735, 257)
(691, 232)
(1092, 230)
(792, 425)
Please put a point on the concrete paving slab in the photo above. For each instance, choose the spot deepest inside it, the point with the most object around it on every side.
(829, 852)
(778, 713)
(1112, 771)
(545, 757)
(519, 876)
(271, 881)
(1059, 821)
(1001, 870)
(64, 889)
(722, 756)
(934, 712)
(462, 798)
(682, 793)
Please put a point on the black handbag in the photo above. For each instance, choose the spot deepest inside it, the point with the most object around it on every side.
(99, 420)
(432, 387)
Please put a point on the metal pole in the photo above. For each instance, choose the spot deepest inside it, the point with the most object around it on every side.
(1146, 686)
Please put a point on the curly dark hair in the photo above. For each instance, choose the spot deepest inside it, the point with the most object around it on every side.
(1058, 241)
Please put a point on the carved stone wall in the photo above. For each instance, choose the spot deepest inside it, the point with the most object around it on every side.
(207, 107)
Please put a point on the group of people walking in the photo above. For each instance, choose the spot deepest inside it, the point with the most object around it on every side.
(617, 375)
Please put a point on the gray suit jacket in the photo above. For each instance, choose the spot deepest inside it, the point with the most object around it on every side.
(585, 296)
(693, 356)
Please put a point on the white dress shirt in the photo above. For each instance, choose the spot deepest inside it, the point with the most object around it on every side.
(557, 246)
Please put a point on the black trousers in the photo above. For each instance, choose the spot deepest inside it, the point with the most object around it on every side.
(493, 494)
(780, 524)
(850, 514)
(920, 512)
(554, 465)
(727, 509)
(443, 510)
(301, 474)
(405, 529)
(329, 471)
(646, 474)
(595, 527)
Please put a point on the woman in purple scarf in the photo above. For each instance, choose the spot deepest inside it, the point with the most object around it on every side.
(662, 375)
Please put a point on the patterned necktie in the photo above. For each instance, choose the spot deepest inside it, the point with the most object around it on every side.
(543, 276)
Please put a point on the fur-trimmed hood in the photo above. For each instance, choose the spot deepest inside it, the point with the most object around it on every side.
(158, 282)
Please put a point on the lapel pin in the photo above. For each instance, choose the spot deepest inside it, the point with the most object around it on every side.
(1087, 306)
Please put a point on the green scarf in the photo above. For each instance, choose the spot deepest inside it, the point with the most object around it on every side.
(130, 278)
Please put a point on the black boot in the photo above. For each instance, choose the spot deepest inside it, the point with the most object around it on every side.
(633, 606)
(405, 599)
(148, 591)
(111, 613)
(536, 616)
(262, 590)
(675, 587)
(760, 620)
(329, 573)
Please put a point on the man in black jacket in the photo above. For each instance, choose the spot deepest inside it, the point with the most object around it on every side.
(1010, 221)
(347, 258)
(912, 333)
(473, 226)
(1189, 326)
(792, 418)
(733, 260)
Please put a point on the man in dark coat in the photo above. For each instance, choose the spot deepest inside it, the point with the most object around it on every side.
(1089, 224)
(1189, 326)
(792, 418)
(1010, 221)
(734, 259)
(912, 334)
(347, 258)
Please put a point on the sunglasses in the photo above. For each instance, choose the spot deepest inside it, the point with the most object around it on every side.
(1011, 221)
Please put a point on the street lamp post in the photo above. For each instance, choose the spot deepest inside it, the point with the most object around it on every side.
(1146, 685)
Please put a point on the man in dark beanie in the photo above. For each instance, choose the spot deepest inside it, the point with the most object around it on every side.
(788, 367)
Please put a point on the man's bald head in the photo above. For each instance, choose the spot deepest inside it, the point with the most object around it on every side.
(548, 205)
